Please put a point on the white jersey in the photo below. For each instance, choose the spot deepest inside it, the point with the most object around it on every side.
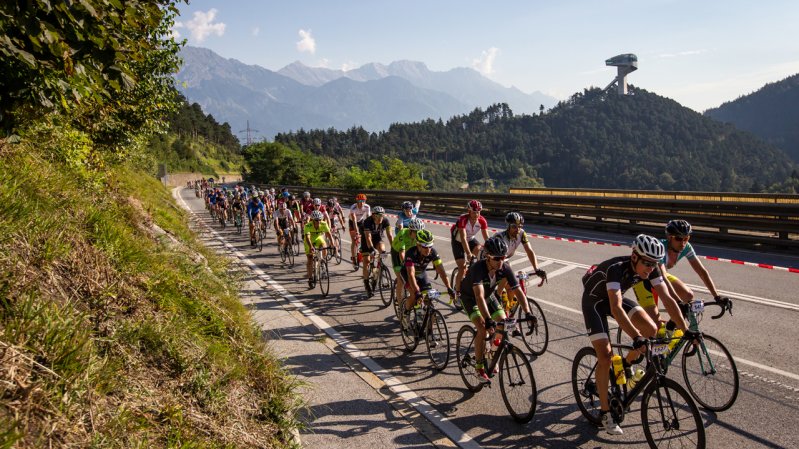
(362, 213)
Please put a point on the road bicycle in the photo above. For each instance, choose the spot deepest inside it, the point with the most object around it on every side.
(516, 380)
(534, 332)
(336, 234)
(708, 368)
(260, 233)
(321, 276)
(425, 322)
(380, 277)
(286, 249)
(238, 221)
(668, 414)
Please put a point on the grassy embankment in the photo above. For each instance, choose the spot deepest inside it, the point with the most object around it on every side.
(117, 327)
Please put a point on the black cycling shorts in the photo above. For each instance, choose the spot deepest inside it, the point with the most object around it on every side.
(596, 313)
(457, 248)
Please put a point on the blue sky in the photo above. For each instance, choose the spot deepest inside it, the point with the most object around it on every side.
(700, 53)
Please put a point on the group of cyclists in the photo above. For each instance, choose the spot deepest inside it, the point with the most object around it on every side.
(484, 269)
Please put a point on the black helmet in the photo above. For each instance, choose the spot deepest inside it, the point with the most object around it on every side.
(291, 197)
(407, 205)
(678, 227)
(496, 247)
(514, 218)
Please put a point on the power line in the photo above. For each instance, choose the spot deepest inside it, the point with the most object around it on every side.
(249, 132)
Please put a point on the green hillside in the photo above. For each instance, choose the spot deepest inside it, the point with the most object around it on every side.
(771, 113)
(640, 141)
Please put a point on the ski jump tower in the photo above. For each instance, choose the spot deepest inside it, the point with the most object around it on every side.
(626, 63)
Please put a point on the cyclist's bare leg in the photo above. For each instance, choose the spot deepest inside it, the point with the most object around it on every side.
(309, 265)
(646, 326)
(683, 291)
(602, 373)
(400, 287)
(461, 271)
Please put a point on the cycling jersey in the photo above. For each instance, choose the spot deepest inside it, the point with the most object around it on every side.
(317, 235)
(374, 228)
(415, 259)
(479, 274)
(403, 240)
(284, 220)
(307, 206)
(617, 273)
(360, 213)
(403, 220)
(521, 239)
(253, 207)
(471, 228)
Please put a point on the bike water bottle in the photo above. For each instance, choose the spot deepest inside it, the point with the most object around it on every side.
(662, 331)
(635, 378)
(675, 338)
(618, 370)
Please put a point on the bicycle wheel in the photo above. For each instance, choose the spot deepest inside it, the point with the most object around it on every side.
(297, 241)
(260, 239)
(710, 374)
(669, 416)
(283, 255)
(399, 305)
(337, 243)
(517, 385)
(453, 276)
(535, 334)
(222, 221)
(437, 339)
(584, 384)
(237, 222)
(324, 277)
(290, 254)
(466, 358)
(386, 286)
(409, 336)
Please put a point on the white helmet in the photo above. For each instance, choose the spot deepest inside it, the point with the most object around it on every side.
(316, 215)
(415, 224)
(317, 201)
(649, 247)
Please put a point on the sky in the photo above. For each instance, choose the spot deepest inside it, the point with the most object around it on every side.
(700, 53)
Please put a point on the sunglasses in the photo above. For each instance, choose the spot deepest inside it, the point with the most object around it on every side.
(513, 226)
(361, 201)
(681, 239)
(647, 263)
(497, 258)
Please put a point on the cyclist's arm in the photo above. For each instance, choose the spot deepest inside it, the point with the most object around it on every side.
(389, 235)
(531, 254)
(669, 287)
(671, 305)
(442, 274)
(696, 264)
(465, 243)
(484, 230)
(368, 237)
(480, 300)
(412, 276)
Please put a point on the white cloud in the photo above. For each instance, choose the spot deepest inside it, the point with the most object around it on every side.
(175, 33)
(306, 42)
(256, 31)
(324, 62)
(485, 64)
(202, 25)
(681, 53)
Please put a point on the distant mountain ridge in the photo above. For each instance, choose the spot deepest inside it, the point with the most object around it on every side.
(373, 96)
(771, 113)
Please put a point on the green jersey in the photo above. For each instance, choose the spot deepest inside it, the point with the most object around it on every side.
(403, 240)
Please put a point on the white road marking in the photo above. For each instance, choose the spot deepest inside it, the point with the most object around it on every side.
(409, 396)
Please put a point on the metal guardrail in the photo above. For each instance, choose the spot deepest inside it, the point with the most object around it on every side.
(756, 219)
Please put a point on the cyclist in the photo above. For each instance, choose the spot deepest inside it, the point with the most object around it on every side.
(414, 273)
(678, 232)
(317, 205)
(237, 206)
(335, 210)
(255, 211)
(315, 232)
(284, 225)
(307, 206)
(515, 237)
(296, 209)
(404, 240)
(372, 239)
(358, 213)
(464, 240)
(221, 205)
(483, 308)
(605, 285)
(408, 213)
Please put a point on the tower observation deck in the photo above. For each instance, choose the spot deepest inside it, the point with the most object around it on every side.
(626, 64)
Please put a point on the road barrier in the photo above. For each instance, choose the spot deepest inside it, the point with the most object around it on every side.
(753, 219)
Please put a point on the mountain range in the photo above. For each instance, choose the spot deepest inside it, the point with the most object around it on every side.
(373, 96)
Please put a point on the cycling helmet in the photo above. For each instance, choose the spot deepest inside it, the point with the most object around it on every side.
(514, 218)
(424, 238)
(272, 190)
(317, 202)
(496, 247)
(331, 203)
(377, 210)
(475, 205)
(291, 197)
(283, 205)
(678, 227)
(360, 197)
(649, 247)
(407, 205)
(306, 194)
(224, 188)
(286, 194)
(415, 224)
(316, 215)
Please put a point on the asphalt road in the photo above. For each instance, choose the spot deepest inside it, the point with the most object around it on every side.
(758, 335)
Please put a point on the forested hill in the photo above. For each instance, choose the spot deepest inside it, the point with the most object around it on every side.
(772, 113)
(640, 141)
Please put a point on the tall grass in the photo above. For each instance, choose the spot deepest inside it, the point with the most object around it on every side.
(112, 334)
